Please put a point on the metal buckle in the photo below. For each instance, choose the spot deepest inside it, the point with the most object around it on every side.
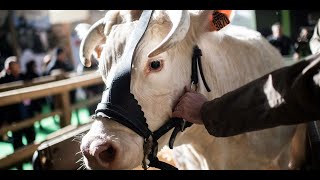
(147, 148)
(194, 86)
(183, 125)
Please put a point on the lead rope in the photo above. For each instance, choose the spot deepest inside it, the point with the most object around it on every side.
(151, 144)
(196, 60)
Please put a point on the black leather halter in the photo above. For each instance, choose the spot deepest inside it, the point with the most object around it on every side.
(120, 104)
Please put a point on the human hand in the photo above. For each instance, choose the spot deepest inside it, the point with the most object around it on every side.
(189, 106)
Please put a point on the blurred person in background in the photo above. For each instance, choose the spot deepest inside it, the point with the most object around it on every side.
(34, 106)
(302, 48)
(58, 65)
(31, 73)
(282, 42)
(60, 62)
(19, 111)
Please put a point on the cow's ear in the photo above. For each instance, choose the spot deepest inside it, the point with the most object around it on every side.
(213, 20)
(82, 30)
(98, 51)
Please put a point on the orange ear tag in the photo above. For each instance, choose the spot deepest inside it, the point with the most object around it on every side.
(219, 20)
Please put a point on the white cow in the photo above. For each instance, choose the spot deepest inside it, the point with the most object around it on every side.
(231, 57)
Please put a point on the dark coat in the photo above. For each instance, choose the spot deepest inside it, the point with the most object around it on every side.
(289, 95)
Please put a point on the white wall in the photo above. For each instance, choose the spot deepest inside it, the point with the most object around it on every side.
(245, 18)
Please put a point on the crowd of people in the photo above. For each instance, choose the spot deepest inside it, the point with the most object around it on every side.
(28, 108)
(297, 49)
(36, 59)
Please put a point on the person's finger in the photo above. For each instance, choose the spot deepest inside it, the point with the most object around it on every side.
(177, 114)
(182, 96)
(176, 108)
(182, 100)
(185, 98)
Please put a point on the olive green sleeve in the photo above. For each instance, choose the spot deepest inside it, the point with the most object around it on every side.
(289, 95)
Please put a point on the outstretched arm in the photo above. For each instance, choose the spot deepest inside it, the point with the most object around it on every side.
(289, 95)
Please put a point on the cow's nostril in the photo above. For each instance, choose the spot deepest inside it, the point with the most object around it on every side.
(107, 155)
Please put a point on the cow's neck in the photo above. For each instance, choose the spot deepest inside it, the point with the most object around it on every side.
(225, 73)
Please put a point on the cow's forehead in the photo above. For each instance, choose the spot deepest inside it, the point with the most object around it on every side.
(116, 40)
(120, 34)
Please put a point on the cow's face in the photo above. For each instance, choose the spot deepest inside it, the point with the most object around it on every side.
(157, 81)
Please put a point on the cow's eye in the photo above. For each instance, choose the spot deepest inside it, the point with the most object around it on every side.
(155, 65)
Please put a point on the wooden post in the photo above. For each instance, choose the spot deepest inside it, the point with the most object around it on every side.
(64, 101)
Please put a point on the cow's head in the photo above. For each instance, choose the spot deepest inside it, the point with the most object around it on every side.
(161, 69)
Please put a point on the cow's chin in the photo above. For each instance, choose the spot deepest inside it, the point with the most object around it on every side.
(109, 145)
